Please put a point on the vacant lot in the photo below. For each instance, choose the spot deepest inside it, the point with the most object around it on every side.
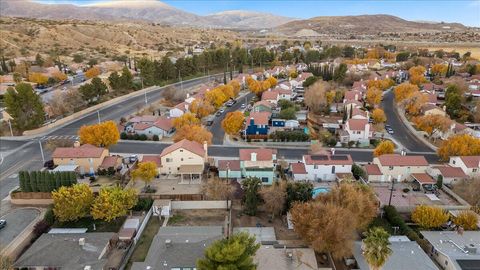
(210, 217)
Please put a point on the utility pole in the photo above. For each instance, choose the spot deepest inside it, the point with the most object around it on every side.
(180, 78)
(10, 126)
(41, 150)
(391, 190)
(98, 116)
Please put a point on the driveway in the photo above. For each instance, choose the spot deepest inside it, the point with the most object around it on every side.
(216, 128)
(17, 221)
(401, 132)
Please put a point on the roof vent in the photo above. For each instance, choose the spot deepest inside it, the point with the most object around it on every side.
(168, 243)
(471, 249)
(87, 267)
(81, 241)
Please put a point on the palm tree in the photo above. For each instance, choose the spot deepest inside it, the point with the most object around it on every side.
(376, 248)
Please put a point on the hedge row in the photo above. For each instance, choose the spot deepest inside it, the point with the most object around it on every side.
(290, 136)
(137, 137)
(45, 181)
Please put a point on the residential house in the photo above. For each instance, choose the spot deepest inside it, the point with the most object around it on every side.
(373, 173)
(270, 96)
(359, 114)
(455, 129)
(257, 123)
(470, 165)
(87, 157)
(449, 174)
(262, 106)
(184, 158)
(111, 163)
(259, 163)
(357, 130)
(283, 94)
(454, 250)
(399, 167)
(229, 169)
(406, 254)
(353, 95)
(179, 110)
(431, 97)
(179, 247)
(155, 159)
(162, 127)
(423, 181)
(298, 171)
(75, 251)
(324, 167)
(430, 109)
(360, 86)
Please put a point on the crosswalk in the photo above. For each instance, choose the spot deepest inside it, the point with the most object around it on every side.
(60, 137)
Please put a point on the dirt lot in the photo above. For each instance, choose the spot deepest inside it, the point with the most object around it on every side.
(210, 217)
(262, 219)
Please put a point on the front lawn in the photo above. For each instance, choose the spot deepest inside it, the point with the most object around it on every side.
(87, 222)
(143, 245)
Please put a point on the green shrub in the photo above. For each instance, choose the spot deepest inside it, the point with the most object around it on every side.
(49, 217)
(124, 136)
(155, 138)
(143, 204)
(396, 220)
(143, 137)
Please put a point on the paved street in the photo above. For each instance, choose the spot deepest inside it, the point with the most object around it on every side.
(401, 132)
(17, 221)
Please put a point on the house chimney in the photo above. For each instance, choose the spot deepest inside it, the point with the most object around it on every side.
(403, 153)
(205, 148)
(168, 243)
(332, 150)
(76, 144)
(81, 241)
(253, 156)
(188, 95)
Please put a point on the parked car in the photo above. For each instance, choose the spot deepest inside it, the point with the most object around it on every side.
(389, 130)
(243, 106)
(133, 158)
(221, 111)
(49, 164)
(229, 103)
(3, 223)
(209, 123)
(218, 113)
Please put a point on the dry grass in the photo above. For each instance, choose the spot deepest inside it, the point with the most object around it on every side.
(460, 49)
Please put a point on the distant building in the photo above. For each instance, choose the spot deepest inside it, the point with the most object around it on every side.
(470, 165)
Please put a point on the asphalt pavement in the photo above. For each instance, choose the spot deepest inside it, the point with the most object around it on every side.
(401, 132)
(17, 221)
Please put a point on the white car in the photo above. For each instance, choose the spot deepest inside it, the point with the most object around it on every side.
(243, 106)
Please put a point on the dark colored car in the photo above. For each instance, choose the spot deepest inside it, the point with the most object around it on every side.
(209, 123)
(3, 223)
(49, 164)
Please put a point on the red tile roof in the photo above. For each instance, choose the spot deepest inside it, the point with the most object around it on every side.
(110, 161)
(471, 161)
(269, 95)
(152, 158)
(164, 123)
(191, 146)
(298, 168)
(350, 95)
(141, 126)
(357, 124)
(432, 98)
(357, 111)
(260, 118)
(233, 165)
(449, 171)
(263, 154)
(399, 160)
(423, 178)
(372, 169)
(328, 159)
(84, 151)
(181, 106)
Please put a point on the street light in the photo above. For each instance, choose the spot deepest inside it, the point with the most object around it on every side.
(98, 116)
(41, 150)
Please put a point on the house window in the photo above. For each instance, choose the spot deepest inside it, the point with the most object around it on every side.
(181, 159)
(453, 162)
(168, 160)
(390, 168)
(333, 169)
(265, 179)
(315, 167)
(178, 168)
(181, 150)
(474, 170)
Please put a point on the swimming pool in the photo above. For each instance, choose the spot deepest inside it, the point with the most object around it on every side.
(319, 190)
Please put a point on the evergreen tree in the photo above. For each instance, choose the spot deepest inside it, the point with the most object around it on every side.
(126, 80)
(58, 180)
(25, 107)
(28, 187)
(65, 181)
(236, 252)
(114, 80)
(33, 181)
(73, 177)
(251, 198)
(41, 181)
(21, 179)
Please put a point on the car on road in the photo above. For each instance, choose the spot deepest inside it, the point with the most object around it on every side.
(243, 106)
(389, 130)
(3, 223)
(218, 113)
(229, 103)
(209, 123)
(49, 164)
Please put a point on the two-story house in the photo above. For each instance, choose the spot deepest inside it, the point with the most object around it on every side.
(399, 167)
(259, 163)
(184, 158)
(470, 165)
(270, 96)
(325, 167)
(257, 123)
(358, 130)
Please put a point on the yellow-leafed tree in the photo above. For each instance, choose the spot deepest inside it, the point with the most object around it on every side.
(417, 75)
(414, 103)
(432, 124)
(429, 217)
(378, 116)
(236, 86)
(439, 69)
(404, 90)
(265, 85)
(187, 119)
(233, 122)
(201, 108)
(272, 81)
(374, 96)
(381, 84)
(59, 76)
(113, 202)
(72, 203)
(104, 134)
(216, 97)
(145, 171)
(193, 133)
(37, 78)
(92, 72)
(385, 147)
(459, 145)
(467, 219)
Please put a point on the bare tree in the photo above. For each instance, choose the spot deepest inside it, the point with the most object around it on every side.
(217, 189)
(52, 144)
(274, 197)
(173, 94)
(316, 96)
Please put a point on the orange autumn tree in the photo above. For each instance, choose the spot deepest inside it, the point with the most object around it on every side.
(432, 124)
(417, 75)
(103, 134)
(254, 86)
(233, 122)
(92, 72)
(195, 133)
(414, 103)
(187, 119)
(37, 78)
(201, 108)
(236, 86)
(59, 76)
(272, 81)
(467, 219)
(378, 116)
(459, 145)
(265, 85)
(380, 84)
(404, 90)
(216, 97)
(385, 147)
(374, 96)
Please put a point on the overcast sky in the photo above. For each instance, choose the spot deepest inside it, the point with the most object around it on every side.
(463, 11)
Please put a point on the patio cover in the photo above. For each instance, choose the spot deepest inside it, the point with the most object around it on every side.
(191, 169)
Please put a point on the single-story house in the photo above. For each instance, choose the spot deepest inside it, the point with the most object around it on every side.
(373, 173)
(229, 169)
(298, 171)
(449, 174)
